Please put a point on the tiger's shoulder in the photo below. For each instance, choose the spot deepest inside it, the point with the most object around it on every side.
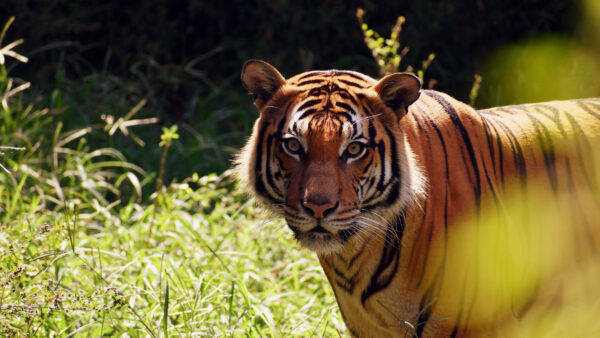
(560, 118)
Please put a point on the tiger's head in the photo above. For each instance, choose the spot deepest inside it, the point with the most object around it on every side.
(327, 152)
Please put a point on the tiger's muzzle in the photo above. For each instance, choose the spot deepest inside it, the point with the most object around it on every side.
(322, 226)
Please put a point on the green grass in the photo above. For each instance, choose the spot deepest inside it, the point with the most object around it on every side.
(211, 267)
(91, 245)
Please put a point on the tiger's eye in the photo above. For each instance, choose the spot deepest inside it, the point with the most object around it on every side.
(354, 148)
(293, 145)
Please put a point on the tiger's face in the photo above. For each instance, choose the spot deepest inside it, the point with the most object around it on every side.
(327, 151)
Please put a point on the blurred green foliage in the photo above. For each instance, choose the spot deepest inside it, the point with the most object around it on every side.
(548, 67)
(552, 68)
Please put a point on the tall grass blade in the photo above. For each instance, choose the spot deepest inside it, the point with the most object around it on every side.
(166, 311)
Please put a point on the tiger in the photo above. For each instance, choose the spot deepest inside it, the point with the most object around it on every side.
(379, 177)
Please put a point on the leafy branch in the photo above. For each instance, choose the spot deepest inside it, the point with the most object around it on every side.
(388, 52)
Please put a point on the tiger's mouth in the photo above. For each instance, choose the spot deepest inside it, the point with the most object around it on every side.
(319, 230)
(321, 240)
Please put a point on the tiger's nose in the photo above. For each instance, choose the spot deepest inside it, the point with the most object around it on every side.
(319, 210)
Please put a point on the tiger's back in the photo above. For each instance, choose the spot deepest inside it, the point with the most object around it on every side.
(409, 197)
(490, 148)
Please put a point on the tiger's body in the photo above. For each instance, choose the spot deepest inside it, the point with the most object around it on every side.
(375, 176)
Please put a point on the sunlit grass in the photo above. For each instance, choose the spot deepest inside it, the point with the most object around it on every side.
(228, 271)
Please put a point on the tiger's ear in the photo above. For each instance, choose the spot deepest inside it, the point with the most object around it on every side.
(398, 91)
(261, 79)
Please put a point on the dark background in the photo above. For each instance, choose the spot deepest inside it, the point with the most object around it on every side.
(89, 58)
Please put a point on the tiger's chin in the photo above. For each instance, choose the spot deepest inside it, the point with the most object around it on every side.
(321, 243)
